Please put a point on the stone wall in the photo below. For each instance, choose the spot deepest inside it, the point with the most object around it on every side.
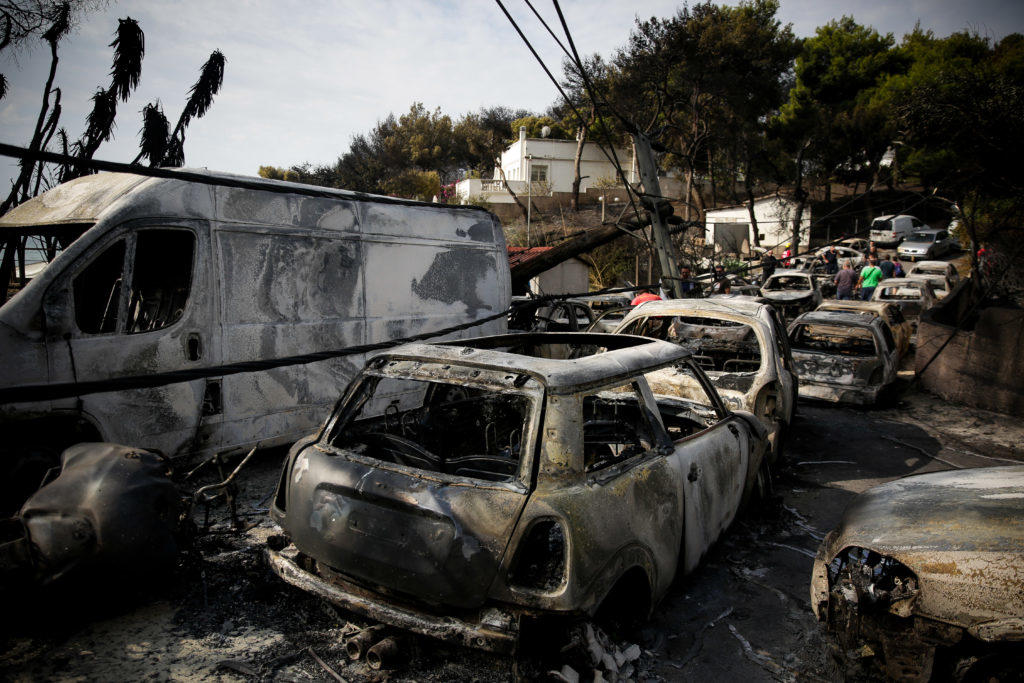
(980, 366)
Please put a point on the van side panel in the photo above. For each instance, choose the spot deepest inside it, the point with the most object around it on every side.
(300, 275)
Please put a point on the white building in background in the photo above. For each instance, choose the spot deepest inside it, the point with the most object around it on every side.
(729, 229)
(549, 165)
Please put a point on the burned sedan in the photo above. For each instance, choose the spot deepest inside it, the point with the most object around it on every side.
(460, 489)
(843, 357)
(792, 292)
(923, 577)
(741, 344)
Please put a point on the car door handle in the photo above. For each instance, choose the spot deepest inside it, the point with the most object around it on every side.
(694, 472)
(193, 347)
(735, 432)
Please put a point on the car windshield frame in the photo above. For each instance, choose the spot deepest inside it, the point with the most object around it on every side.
(505, 382)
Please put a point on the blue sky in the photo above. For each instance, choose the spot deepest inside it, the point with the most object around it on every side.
(303, 77)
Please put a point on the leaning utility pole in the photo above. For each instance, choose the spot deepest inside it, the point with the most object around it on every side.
(652, 201)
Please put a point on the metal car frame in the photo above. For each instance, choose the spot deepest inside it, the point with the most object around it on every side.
(840, 378)
(455, 557)
(772, 393)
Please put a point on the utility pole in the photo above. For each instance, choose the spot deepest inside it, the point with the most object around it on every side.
(653, 202)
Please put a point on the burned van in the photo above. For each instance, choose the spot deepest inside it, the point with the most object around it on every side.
(164, 275)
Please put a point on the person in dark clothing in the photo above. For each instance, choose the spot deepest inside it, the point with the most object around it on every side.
(831, 259)
(888, 268)
(768, 265)
(691, 288)
(845, 281)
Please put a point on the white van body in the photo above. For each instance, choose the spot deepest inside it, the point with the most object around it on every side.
(888, 231)
(160, 275)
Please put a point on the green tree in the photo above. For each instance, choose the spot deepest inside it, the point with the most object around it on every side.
(691, 77)
(963, 123)
(835, 117)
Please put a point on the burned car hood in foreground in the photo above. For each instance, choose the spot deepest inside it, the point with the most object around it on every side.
(961, 532)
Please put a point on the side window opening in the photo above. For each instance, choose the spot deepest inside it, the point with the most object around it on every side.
(615, 429)
(97, 291)
(161, 279)
(889, 341)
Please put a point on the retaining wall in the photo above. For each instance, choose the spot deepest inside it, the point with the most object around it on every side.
(982, 366)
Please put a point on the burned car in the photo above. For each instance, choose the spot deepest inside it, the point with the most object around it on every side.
(741, 345)
(944, 268)
(843, 357)
(460, 490)
(923, 576)
(912, 295)
(792, 292)
(888, 312)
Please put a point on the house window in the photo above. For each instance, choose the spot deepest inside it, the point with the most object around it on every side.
(538, 173)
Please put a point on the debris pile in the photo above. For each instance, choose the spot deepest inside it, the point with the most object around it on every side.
(607, 661)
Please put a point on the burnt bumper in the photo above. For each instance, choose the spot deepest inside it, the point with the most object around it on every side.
(491, 629)
(838, 393)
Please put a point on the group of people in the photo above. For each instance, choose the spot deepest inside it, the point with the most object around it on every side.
(850, 284)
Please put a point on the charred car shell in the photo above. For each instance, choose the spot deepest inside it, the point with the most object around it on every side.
(792, 292)
(549, 513)
(843, 357)
(740, 343)
(926, 573)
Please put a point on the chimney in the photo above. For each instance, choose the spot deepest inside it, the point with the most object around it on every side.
(522, 133)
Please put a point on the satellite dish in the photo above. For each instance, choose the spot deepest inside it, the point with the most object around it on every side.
(545, 131)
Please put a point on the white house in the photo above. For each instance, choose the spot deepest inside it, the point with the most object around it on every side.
(729, 230)
(549, 164)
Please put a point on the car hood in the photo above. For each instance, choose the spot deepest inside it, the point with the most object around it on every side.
(961, 532)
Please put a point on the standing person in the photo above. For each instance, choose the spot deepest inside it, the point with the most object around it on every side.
(845, 281)
(691, 288)
(787, 254)
(768, 265)
(897, 269)
(831, 258)
(888, 268)
(720, 284)
(872, 250)
(869, 278)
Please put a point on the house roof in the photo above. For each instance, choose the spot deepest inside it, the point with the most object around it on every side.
(520, 255)
(517, 256)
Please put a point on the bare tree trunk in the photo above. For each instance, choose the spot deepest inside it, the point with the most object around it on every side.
(21, 185)
(801, 198)
(581, 140)
(750, 204)
(504, 182)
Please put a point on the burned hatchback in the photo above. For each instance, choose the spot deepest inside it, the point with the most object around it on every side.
(461, 489)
